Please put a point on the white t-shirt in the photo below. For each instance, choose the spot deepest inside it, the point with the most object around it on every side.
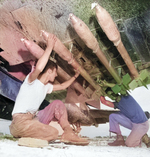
(30, 96)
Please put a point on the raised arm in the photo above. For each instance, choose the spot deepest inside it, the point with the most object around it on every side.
(106, 102)
(66, 83)
(41, 63)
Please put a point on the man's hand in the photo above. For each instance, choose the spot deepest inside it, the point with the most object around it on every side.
(77, 72)
(49, 38)
(106, 102)
(103, 100)
(32, 63)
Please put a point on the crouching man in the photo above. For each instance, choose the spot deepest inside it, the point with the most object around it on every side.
(130, 116)
(27, 121)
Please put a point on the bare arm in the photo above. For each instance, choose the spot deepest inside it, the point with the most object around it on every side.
(51, 39)
(106, 102)
(66, 83)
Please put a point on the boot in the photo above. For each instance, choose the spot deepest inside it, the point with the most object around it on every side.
(146, 140)
(118, 142)
(69, 137)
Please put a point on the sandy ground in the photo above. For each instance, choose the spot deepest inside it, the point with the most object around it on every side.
(97, 147)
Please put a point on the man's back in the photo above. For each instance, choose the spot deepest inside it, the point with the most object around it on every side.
(131, 109)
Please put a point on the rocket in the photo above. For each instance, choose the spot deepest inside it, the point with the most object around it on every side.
(88, 38)
(109, 27)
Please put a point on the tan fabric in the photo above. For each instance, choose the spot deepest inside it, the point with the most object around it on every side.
(27, 125)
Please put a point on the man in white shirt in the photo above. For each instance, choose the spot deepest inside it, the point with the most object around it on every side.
(27, 122)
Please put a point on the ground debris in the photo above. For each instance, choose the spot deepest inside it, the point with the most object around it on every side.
(8, 137)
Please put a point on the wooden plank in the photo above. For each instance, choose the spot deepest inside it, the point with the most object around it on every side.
(32, 142)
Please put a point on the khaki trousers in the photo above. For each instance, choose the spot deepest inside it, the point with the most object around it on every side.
(29, 125)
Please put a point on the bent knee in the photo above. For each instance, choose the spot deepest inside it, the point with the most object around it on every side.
(59, 104)
(112, 116)
(58, 101)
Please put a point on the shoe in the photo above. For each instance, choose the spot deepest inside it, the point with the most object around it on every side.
(118, 142)
(69, 137)
(146, 140)
(72, 138)
(148, 145)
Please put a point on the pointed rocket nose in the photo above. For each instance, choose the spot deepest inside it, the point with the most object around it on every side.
(26, 42)
(99, 8)
(72, 18)
(44, 34)
(70, 15)
(93, 5)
